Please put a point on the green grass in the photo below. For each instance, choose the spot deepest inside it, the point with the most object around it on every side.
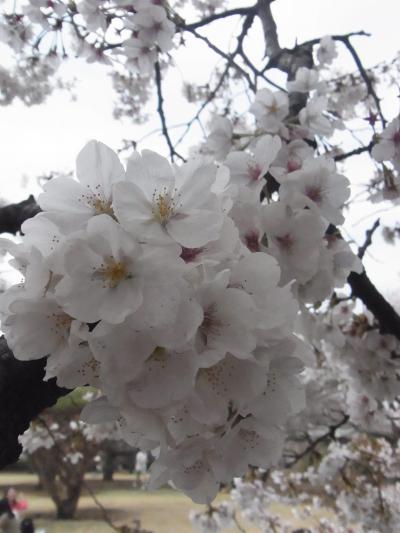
(161, 511)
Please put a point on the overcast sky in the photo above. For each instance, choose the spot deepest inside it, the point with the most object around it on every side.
(40, 139)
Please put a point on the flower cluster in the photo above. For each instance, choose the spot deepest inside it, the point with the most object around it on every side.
(46, 436)
(175, 292)
(137, 282)
(353, 489)
(152, 32)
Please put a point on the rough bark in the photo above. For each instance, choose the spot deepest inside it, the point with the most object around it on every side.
(23, 395)
(14, 215)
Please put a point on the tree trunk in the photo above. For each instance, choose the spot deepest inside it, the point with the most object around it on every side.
(66, 508)
(108, 466)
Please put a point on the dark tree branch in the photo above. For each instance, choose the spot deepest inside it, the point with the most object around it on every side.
(363, 288)
(12, 216)
(330, 434)
(217, 16)
(368, 239)
(272, 46)
(341, 37)
(227, 58)
(356, 151)
(23, 395)
(160, 109)
(286, 60)
(346, 41)
(246, 26)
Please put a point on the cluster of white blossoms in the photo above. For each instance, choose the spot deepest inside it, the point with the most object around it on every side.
(358, 355)
(214, 519)
(175, 292)
(387, 152)
(39, 436)
(152, 32)
(351, 488)
(146, 284)
(137, 282)
(369, 499)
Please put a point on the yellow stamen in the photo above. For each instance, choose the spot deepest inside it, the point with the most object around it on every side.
(113, 273)
(163, 206)
(103, 207)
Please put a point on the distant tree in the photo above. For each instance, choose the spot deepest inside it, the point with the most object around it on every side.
(62, 449)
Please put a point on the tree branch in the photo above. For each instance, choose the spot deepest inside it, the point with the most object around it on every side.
(272, 46)
(23, 395)
(289, 61)
(217, 16)
(331, 434)
(356, 151)
(363, 288)
(339, 37)
(12, 216)
(245, 28)
(368, 239)
(227, 57)
(346, 41)
(160, 109)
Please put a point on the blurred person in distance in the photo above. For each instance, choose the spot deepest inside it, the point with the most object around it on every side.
(8, 519)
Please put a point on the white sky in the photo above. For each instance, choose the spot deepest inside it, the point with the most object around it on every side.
(40, 139)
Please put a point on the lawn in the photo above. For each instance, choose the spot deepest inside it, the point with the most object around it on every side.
(161, 511)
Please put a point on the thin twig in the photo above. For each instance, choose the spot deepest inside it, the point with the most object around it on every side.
(331, 433)
(368, 239)
(346, 41)
(217, 16)
(340, 37)
(227, 57)
(356, 151)
(246, 26)
(160, 109)
(237, 524)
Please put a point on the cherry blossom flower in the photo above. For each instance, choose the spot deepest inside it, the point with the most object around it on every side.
(107, 273)
(312, 117)
(97, 169)
(306, 81)
(388, 146)
(292, 238)
(326, 51)
(246, 169)
(317, 186)
(141, 55)
(36, 327)
(163, 206)
(219, 140)
(93, 15)
(154, 26)
(270, 109)
(290, 158)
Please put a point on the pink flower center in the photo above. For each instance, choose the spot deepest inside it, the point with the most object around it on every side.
(254, 171)
(285, 242)
(252, 241)
(157, 27)
(314, 193)
(293, 165)
(396, 137)
(190, 254)
(211, 324)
